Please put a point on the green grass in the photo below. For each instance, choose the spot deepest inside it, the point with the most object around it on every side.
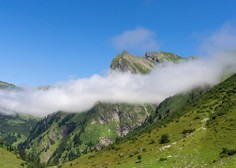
(9, 160)
(212, 121)
(94, 131)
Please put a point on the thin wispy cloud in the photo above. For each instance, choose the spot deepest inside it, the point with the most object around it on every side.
(222, 40)
(139, 39)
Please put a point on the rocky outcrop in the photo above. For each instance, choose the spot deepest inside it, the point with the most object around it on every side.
(160, 57)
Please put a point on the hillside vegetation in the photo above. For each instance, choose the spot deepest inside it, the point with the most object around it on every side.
(16, 128)
(201, 133)
(62, 137)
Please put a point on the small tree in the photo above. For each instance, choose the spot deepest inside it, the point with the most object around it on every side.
(164, 139)
(1, 142)
(139, 158)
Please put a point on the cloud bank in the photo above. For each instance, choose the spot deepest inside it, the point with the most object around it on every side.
(164, 81)
(139, 39)
(80, 95)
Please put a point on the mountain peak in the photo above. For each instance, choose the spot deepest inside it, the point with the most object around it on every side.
(126, 62)
(4, 85)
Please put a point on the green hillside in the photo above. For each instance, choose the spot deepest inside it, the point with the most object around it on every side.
(16, 128)
(10, 160)
(201, 133)
(62, 137)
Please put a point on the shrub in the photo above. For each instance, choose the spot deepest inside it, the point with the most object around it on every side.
(131, 154)
(162, 159)
(227, 152)
(188, 131)
(139, 158)
(164, 139)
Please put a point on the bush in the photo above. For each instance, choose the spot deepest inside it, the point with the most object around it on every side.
(139, 158)
(164, 139)
(162, 159)
(227, 152)
(131, 154)
(188, 131)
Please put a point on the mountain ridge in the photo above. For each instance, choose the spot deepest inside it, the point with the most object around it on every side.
(4, 85)
(126, 62)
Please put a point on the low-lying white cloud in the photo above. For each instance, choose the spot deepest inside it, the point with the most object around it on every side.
(139, 39)
(164, 81)
(80, 95)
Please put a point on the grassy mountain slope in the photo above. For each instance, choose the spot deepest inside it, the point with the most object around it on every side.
(9, 160)
(61, 136)
(126, 62)
(201, 134)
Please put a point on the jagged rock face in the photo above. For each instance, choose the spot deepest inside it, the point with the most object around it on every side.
(127, 62)
(125, 117)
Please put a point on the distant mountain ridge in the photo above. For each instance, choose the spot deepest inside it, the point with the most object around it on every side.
(60, 137)
(4, 85)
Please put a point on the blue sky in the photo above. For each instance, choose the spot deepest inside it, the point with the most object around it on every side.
(47, 41)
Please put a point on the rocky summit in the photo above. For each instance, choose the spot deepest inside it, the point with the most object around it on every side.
(126, 62)
(6, 85)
